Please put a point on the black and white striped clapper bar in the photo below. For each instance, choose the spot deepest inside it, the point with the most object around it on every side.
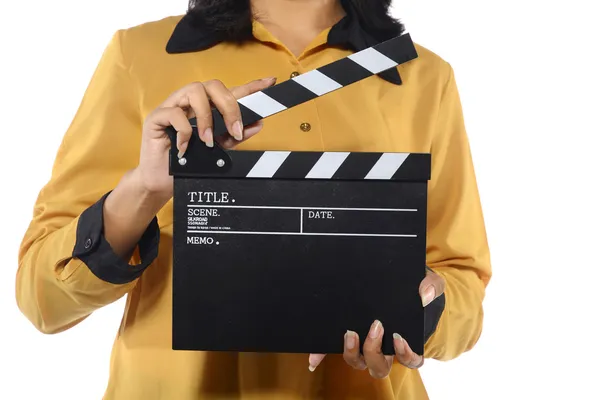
(279, 251)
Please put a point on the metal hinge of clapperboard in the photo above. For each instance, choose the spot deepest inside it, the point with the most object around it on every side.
(200, 159)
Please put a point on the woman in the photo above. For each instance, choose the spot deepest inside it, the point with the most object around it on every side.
(102, 226)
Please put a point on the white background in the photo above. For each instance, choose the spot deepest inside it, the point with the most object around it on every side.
(528, 72)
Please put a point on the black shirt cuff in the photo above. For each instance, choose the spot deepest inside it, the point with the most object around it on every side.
(93, 249)
(433, 313)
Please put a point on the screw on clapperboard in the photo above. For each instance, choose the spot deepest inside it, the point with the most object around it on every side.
(220, 162)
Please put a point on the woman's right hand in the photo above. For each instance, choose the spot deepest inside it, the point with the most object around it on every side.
(193, 100)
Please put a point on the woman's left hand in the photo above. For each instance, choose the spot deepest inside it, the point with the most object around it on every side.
(378, 364)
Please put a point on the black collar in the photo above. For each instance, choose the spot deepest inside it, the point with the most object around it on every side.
(347, 33)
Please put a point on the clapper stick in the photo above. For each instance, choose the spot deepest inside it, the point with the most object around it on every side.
(318, 82)
(283, 251)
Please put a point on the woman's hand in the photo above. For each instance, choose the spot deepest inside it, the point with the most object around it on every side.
(378, 364)
(143, 191)
(193, 100)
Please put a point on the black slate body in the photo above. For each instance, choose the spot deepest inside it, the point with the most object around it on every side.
(289, 263)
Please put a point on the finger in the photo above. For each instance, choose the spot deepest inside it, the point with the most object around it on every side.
(227, 104)
(252, 87)
(352, 354)
(405, 355)
(379, 366)
(314, 360)
(176, 117)
(193, 99)
(228, 142)
(431, 287)
(176, 97)
(198, 100)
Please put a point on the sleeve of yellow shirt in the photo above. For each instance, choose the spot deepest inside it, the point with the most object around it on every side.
(457, 247)
(66, 267)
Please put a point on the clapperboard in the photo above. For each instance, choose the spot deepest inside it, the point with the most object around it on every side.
(278, 251)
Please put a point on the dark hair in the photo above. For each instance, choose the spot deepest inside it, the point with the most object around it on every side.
(231, 20)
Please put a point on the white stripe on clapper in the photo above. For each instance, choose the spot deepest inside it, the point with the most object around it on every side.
(262, 104)
(268, 164)
(327, 164)
(372, 60)
(317, 82)
(387, 165)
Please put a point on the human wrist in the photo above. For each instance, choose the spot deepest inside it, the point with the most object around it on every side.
(150, 197)
(128, 211)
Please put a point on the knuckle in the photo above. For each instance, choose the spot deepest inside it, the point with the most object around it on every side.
(213, 83)
(360, 365)
(194, 95)
(184, 125)
(204, 119)
(193, 89)
(186, 132)
(371, 346)
(230, 98)
(178, 111)
(194, 98)
(412, 362)
(196, 85)
(417, 361)
(231, 113)
(351, 359)
(404, 359)
(183, 138)
(255, 85)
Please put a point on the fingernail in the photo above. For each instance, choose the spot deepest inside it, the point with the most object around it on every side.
(270, 80)
(182, 149)
(238, 130)
(208, 135)
(399, 343)
(312, 359)
(350, 340)
(428, 296)
(313, 362)
(375, 329)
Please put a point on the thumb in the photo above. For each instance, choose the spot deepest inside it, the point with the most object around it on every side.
(431, 287)
(252, 87)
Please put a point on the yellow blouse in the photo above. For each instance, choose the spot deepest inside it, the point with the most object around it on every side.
(56, 289)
